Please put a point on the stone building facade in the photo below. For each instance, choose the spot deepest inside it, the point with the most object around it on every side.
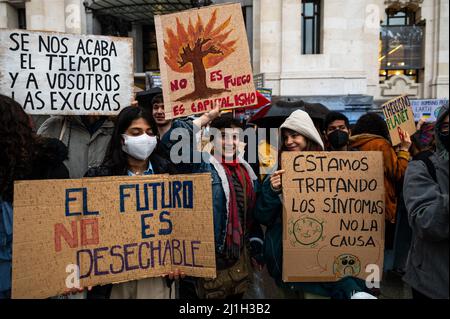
(345, 57)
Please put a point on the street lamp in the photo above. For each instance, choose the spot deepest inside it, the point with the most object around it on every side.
(200, 3)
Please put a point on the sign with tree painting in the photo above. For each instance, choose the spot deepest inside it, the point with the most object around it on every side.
(204, 60)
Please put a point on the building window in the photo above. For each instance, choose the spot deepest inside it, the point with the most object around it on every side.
(386, 74)
(113, 26)
(401, 45)
(150, 49)
(22, 18)
(311, 12)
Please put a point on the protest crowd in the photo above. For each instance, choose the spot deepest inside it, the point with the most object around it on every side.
(250, 191)
(247, 214)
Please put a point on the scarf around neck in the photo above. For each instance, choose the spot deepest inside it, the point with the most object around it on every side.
(234, 230)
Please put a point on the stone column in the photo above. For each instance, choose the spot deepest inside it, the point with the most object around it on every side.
(136, 34)
(56, 15)
(436, 50)
(92, 24)
(249, 28)
(290, 38)
(8, 16)
(270, 49)
(256, 56)
(440, 80)
(74, 16)
(48, 15)
(374, 11)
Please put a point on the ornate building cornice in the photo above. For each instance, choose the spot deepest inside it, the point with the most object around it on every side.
(399, 4)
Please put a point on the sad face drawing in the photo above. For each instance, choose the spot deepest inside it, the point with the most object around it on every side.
(346, 265)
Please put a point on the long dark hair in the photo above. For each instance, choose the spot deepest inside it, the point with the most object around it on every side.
(115, 158)
(371, 123)
(17, 145)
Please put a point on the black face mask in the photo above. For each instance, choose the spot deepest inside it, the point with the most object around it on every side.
(338, 139)
(444, 140)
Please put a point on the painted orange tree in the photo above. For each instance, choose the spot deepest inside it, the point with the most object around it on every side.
(196, 49)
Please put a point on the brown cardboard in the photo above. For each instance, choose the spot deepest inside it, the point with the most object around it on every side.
(56, 73)
(204, 59)
(312, 234)
(398, 113)
(39, 261)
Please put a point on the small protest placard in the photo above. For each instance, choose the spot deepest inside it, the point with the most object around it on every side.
(204, 60)
(55, 73)
(399, 114)
(427, 108)
(333, 215)
(110, 229)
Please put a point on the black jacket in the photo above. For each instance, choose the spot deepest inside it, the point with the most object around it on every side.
(46, 163)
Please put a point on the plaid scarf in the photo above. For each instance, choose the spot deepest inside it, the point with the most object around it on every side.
(235, 233)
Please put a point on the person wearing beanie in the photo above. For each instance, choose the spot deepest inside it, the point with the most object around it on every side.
(426, 197)
(297, 134)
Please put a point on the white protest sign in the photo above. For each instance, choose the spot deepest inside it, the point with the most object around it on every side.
(56, 73)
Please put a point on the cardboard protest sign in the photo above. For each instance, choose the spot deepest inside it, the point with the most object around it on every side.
(204, 60)
(398, 114)
(333, 215)
(427, 108)
(56, 73)
(113, 229)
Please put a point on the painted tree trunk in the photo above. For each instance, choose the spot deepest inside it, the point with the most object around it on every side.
(199, 77)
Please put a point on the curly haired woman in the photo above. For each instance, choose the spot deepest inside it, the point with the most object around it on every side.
(23, 156)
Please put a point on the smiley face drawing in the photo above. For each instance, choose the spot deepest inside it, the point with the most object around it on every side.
(307, 231)
(346, 265)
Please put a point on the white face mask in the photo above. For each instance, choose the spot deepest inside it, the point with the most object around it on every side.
(140, 147)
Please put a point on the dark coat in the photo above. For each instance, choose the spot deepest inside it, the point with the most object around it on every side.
(427, 268)
(47, 163)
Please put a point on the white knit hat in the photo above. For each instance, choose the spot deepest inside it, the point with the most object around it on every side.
(300, 122)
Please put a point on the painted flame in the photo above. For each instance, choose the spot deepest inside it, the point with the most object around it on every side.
(183, 37)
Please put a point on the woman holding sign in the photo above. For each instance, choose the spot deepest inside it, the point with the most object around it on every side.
(23, 156)
(298, 134)
(133, 150)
